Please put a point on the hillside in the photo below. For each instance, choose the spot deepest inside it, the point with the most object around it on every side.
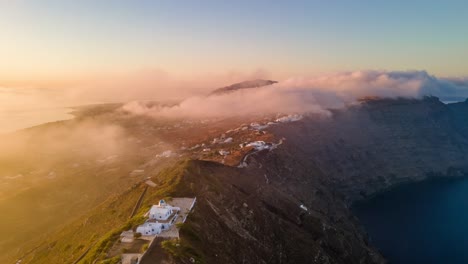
(365, 149)
(325, 165)
(261, 211)
(239, 207)
(285, 200)
(98, 230)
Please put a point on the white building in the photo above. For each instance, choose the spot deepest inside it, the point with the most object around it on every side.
(149, 228)
(162, 211)
(161, 217)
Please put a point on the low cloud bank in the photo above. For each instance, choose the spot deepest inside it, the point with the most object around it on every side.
(312, 94)
(61, 145)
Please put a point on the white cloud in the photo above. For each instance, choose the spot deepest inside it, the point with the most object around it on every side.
(312, 94)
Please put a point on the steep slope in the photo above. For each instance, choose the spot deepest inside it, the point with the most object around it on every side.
(254, 215)
(367, 148)
(459, 111)
(93, 234)
(250, 215)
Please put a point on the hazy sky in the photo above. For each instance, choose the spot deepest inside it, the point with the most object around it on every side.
(60, 40)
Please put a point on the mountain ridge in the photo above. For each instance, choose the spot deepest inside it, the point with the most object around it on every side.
(242, 85)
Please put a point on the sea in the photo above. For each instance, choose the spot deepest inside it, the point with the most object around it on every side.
(13, 120)
(425, 222)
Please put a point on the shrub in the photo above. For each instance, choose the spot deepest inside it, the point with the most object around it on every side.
(114, 260)
(144, 247)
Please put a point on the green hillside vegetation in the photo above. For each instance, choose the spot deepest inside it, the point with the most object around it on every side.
(31, 215)
(100, 229)
(53, 176)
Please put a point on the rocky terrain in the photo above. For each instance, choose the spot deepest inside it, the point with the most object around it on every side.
(270, 188)
(291, 205)
(367, 148)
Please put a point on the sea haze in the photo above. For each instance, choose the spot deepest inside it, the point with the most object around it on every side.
(23, 107)
(12, 120)
(419, 223)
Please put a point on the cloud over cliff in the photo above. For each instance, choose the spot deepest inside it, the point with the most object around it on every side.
(312, 94)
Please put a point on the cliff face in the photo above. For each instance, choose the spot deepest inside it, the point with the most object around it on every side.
(291, 205)
(276, 211)
(367, 148)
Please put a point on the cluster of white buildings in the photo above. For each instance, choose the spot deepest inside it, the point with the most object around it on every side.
(160, 218)
(284, 119)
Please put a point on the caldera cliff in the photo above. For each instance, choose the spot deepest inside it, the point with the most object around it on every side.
(291, 204)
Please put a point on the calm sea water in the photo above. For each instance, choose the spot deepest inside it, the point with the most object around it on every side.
(424, 222)
(13, 120)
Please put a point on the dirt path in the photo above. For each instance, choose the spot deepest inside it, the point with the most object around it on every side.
(137, 205)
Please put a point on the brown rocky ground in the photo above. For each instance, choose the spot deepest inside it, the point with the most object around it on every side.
(254, 214)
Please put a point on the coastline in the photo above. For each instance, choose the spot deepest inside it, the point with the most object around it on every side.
(14, 121)
(452, 174)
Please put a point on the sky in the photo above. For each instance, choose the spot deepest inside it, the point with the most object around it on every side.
(60, 53)
(63, 42)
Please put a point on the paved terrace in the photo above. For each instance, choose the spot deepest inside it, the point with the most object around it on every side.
(185, 205)
(127, 258)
